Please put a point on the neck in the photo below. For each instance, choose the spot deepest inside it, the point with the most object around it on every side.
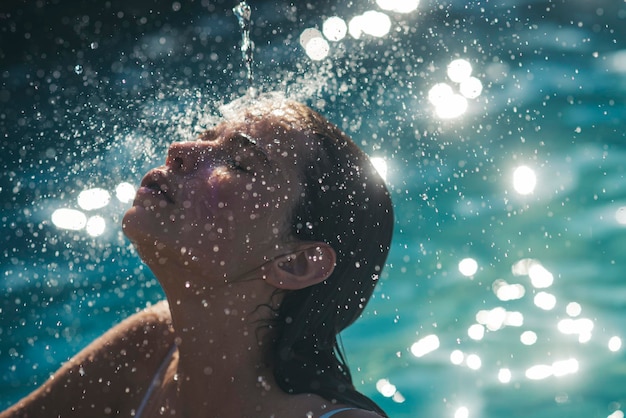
(222, 340)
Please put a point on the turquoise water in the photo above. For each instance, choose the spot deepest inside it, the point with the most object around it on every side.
(503, 296)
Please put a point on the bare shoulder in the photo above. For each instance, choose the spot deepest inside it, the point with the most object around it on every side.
(143, 336)
(137, 344)
(154, 321)
(111, 373)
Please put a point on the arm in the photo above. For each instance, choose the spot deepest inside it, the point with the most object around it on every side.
(109, 376)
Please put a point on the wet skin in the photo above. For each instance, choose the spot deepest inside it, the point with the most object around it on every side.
(212, 225)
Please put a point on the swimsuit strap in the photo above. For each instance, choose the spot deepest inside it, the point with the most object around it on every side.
(336, 411)
(156, 381)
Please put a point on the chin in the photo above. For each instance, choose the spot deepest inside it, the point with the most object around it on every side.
(132, 225)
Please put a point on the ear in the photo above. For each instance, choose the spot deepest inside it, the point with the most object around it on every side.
(308, 264)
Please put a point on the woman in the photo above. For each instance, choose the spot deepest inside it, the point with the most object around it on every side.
(267, 235)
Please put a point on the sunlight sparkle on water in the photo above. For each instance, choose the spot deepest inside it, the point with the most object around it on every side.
(474, 362)
(309, 34)
(528, 337)
(95, 226)
(455, 105)
(439, 93)
(425, 345)
(471, 88)
(71, 219)
(398, 6)
(545, 301)
(457, 357)
(539, 372)
(459, 70)
(620, 215)
(462, 412)
(565, 367)
(95, 198)
(498, 318)
(506, 292)
(447, 103)
(520, 268)
(540, 277)
(616, 414)
(573, 309)
(314, 44)
(334, 28)
(557, 369)
(125, 192)
(514, 319)
(373, 23)
(581, 327)
(385, 388)
(493, 319)
(524, 180)
(468, 267)
(615, 343)
(504, 375)
(476, 332)
(389, 390)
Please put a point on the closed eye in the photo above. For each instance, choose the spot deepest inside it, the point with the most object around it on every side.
(236, 164)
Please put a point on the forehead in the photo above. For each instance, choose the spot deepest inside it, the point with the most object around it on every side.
(276, 137)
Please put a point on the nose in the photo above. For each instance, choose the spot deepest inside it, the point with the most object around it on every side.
(188, 156)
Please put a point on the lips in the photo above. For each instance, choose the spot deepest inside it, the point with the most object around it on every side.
(156, 180)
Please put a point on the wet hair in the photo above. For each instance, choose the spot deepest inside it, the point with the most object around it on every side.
(344, 203)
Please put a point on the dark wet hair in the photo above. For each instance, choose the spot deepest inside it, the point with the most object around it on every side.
(346, 204)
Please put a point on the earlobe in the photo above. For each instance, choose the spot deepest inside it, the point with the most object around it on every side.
(310, 263)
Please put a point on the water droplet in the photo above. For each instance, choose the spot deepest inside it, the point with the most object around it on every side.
(243, 12)
(78, 69)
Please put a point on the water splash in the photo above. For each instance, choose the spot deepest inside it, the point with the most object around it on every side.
(243, 13)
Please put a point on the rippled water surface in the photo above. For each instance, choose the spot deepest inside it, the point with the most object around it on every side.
(499, 124)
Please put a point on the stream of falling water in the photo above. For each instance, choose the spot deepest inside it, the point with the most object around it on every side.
(243, 12)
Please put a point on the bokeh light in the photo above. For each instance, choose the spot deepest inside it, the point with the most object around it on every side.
(524, 180)
(620, 215)
(95, 226)
(528, 338)
(462, 412)
(398, 6)
(313, 42)
(425, 345)
(372, 23)
(504, 375)
(459, 70)
(334, 29)
(491, 143)
(125, 192)
(615, 343)
(95, 198)
(468, 267)
(471, 87)
(71, 219)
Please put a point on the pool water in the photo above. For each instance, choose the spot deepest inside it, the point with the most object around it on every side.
(501, 129)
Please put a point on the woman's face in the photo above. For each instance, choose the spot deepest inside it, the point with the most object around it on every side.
(221, 203)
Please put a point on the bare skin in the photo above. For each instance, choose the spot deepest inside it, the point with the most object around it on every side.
(210, 224)
(108, 377)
